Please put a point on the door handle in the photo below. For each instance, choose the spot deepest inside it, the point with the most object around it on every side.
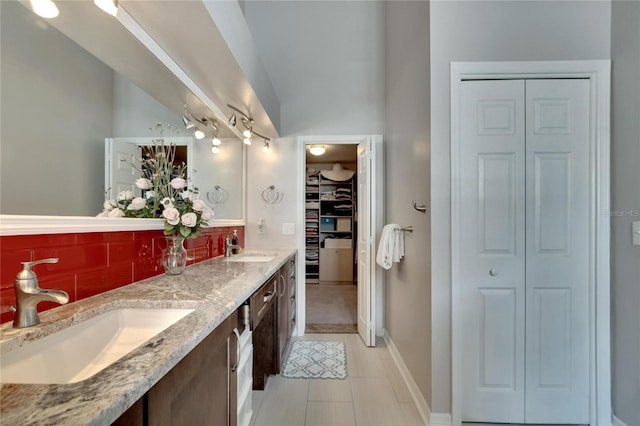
(493, 272)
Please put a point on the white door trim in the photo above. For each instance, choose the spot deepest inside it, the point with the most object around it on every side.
(377, 179)
(598, 73)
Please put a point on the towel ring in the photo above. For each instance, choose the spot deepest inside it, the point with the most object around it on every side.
(217, 196)
(271, 196)
(421, 209)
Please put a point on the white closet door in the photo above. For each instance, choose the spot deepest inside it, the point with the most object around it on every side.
(365, 250)
(557, 246)
(492, 250)
(123, 159)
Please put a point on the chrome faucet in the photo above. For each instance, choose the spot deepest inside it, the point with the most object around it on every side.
(228, 246)
(29, 294)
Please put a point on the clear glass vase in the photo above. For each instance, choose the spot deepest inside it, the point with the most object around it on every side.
(174, 256)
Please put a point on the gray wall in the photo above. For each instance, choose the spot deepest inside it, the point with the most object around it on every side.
(625, 180)
(325, 63)
(135, 111)
(57, 103)
(489, 31)
(407, 154)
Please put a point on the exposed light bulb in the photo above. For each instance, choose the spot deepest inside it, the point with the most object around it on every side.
(199, 134)
(109, 6)
(215, 141)
(317, 149)
(215, 149)
(247, 133)
(247, 141)
(44, 8)
(265, 147)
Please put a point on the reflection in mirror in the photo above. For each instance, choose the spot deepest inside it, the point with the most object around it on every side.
(218, 177)
(59, 103)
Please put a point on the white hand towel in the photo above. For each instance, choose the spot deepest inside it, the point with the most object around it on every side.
(390, 246)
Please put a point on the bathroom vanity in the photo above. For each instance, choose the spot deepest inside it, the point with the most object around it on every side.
(188, 371)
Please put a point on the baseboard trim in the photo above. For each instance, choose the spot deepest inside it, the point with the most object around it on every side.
(616, 421)
(441, 419)
(416, 395)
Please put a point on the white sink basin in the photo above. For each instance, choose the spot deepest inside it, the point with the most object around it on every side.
(251, 257)
(80, 351)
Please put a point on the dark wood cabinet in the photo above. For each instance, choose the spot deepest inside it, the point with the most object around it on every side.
(265, 327)
(286, 308)
(273, 312)
(200, 389)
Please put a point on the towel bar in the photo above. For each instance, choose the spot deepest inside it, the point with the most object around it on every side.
(406, 229)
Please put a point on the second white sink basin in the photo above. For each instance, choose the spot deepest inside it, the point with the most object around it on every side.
(251, 257)
(82, 350)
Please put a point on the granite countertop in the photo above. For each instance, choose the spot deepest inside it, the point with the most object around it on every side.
(215, 288)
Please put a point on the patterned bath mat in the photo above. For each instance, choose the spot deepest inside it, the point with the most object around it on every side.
(316, 360)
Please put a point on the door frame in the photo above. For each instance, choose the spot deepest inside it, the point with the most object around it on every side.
(598, 72)
(377, 179)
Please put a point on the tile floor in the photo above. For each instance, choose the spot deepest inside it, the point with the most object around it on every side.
(373, 393)
(331, 304)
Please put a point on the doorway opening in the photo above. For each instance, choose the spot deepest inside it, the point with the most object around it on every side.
(368, 206)
(330, 235)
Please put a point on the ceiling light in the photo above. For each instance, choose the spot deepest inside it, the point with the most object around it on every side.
(215, 149)
(265, 147)
(44, 8)
(187, 123)
(248, 133)
(317, 149)
(109, 6)
(215, 141)
(199, 134)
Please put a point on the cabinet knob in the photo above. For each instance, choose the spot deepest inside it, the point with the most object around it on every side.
(493, 272)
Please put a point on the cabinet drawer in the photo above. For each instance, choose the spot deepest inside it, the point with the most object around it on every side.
(262, 300)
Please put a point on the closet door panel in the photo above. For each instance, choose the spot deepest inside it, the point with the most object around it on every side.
(557, 247)
(492, 250)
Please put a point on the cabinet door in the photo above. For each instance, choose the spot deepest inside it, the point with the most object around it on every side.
(200, 389)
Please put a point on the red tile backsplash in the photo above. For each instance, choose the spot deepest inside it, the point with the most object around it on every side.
(92, 263)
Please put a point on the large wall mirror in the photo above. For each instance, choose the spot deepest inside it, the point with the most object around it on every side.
(72, 82)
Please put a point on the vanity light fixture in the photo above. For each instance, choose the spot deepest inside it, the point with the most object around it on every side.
(248, 133)
(44, 8)
(109, 6)
(216, 141)
(215, 149)
(232, 120)
(265, 147)
(201, 124)
(317, 149)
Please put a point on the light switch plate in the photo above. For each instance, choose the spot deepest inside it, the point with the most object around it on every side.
(635, 228)
(288, 228)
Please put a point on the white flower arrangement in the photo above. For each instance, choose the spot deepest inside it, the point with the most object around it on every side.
(166, 194)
